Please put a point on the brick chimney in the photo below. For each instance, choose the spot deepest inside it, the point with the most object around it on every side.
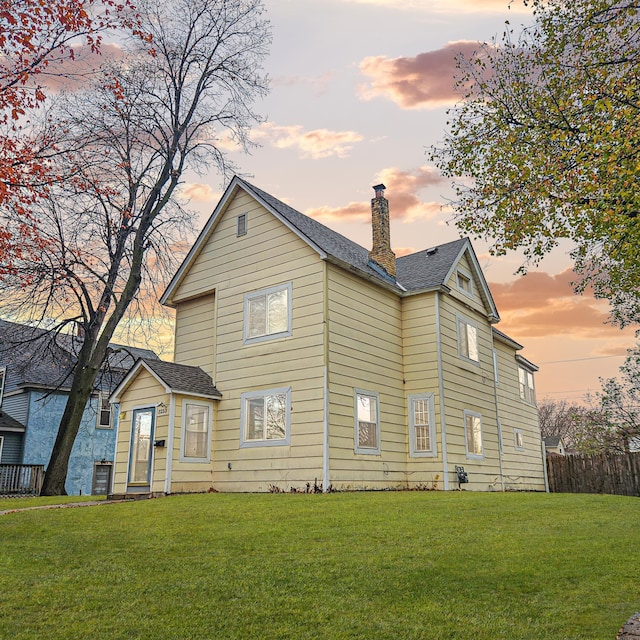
(381, 252)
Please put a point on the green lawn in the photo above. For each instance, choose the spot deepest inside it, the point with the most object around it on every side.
(405, 565)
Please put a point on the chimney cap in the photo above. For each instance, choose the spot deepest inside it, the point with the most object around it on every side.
(379, 187)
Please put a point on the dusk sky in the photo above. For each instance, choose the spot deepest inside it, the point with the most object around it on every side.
(359, 91)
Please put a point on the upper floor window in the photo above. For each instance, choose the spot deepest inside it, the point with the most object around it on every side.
(464, 283)
(267, 314)
(473, 434)
(196, 431)
(527, 388)
(105, 417)
(265, 417)
(3, 375)
(468, 339)
(241, 225)
(367, 422)
(421, 425)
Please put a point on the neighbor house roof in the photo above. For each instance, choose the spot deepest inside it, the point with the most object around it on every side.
(175, 378)
(425, 270)
(37, 357)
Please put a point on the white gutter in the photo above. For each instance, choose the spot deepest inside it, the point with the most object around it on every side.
(443, 422)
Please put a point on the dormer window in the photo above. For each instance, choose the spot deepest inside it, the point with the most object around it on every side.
(241, 225)
(463, 282)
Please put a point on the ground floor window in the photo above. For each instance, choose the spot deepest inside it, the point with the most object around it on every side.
(421, 425)
(196, 431)
(473, 432)
(265, 417)
(367, 422)
(518, 439)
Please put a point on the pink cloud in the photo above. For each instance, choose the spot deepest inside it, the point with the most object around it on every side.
(315, 144)
(199, 192)
(424, 81)
(402, 193)
(540, 304)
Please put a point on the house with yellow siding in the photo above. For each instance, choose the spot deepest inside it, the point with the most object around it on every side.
(304, 360)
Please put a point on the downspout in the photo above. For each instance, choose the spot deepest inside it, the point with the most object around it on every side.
(326, 482)
(443, 422)
(498, 422)
(170, 436)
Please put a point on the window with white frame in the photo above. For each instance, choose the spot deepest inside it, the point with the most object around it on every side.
(468, 339)
(196, 430)
(422, 441)
(367, 422)
(473, 434)
(265, 417)
(463, 282)
(518, 439)
(3, 375)
(267, 314)
(527, 388)
(241, 225)
(105, 418)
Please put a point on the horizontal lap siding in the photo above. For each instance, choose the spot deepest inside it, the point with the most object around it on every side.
(186, 475)
(419, 331)
(469, 387)
(195, 331)
(144, 391)
(365, 352)
(268, 255)
(522, 469)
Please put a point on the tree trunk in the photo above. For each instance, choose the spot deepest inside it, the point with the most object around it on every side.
(56, 473)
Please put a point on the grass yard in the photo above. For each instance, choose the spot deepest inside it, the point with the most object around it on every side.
(419, 565)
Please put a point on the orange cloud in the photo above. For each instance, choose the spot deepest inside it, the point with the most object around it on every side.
(539, 304)
(319, 143)
(424, 81)
(402, 192)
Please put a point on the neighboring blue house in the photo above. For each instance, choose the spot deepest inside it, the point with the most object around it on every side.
(35, 369)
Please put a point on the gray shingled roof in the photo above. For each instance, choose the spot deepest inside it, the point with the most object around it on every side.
(38, 357)
(428, 268)
(552, 441)
(182, 378)
(7, 422)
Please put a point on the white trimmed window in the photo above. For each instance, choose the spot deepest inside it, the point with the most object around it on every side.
(367, 422)
(196, 431)
(527, 387)
(422, 442)
(265, 417)
(241, 225)
(3, 375)
(518, 439)
(468, 339)
(464, 283)
(473, 434)
(105, 415)
(267, 314)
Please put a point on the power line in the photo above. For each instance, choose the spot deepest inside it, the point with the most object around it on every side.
(581, 359)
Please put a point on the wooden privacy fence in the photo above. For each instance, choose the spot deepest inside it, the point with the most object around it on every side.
(21, 479)
(601, 473)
